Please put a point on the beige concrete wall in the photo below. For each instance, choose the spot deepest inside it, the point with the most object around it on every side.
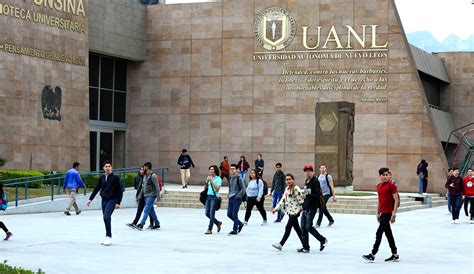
(458, 97)
(117, 28)
(24, 133)
(200, 89)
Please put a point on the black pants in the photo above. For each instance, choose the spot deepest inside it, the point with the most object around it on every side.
(141, 206)
(384, 227)
(2, 226)
(324, 210)
(223, 175)
(467, 201)
(251, 202)
(425, 184)
(292, 223)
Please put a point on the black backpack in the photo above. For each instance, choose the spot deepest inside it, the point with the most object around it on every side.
(327, 182)
(265, 187)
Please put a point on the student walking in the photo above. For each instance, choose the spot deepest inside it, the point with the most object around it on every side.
(313, 200)
(327, 187)
(291, 204)
(150, 192)
(455, 187)
(141, 201)
(278, 187)
(224, 169)
(386, 213)
(236, 192)
(469, 194)
(259, 165)
(422, 172)
(8, 234)
(255, 197)
(72, 182)
(111, 193)
(243, 168)
(213, 185)
(185, 162)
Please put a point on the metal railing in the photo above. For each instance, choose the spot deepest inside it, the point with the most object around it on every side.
(56, 180)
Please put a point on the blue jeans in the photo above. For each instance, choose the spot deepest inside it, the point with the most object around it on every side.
(211, 203)
(276, 198)
(108, 208)
(233, 212)
(149, 210)
(455, 201)
(243, 175)
(420, 184)
(449, 202)
(307, 227)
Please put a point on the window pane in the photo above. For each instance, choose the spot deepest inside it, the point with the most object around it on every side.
(106, 73)
(120, 75)
(105, 147)
(93, 70)
(106, 103)
(120, 107)
(93, 104)
(93, 150)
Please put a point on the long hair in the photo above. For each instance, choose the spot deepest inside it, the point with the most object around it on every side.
(292, 189)
(256, 174)
(216, 169)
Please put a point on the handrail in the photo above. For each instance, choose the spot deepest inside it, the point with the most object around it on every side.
(58, 178)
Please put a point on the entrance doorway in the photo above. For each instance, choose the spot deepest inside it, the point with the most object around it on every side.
(107, 145)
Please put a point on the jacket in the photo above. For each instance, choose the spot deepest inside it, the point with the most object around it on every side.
(458, 188)
(110, 188)
(313, 197)
(236, 187)
(278, 183)
(291, 203)
(73, 180)
(245, 165)
(137, 184)
(185, 161)
(150, 186)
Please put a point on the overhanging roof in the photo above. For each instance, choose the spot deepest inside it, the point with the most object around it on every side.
(429, 64)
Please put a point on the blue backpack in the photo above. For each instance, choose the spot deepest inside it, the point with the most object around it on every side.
(4, 203)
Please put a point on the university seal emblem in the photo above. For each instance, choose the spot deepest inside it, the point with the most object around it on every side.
(274, 28)
(51, 103)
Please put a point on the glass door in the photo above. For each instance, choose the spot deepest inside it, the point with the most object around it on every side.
(101, 148)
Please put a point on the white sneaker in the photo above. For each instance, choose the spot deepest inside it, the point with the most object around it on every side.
(265, 223)
(245, 223)
(453, 222)
(277, 246)
(471, 221)
(456, 221)
(107, 241)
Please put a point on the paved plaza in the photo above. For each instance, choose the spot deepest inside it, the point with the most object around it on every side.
(56, 243)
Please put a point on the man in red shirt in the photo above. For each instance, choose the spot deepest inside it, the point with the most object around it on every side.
(225, 169)
(469, 194)
(386, 212)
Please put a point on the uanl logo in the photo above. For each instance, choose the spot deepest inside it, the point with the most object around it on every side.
(274, 28)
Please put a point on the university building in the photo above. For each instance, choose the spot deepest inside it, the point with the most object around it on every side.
(300, 82)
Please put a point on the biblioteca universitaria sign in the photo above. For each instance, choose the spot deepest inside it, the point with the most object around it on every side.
(275, 29)
(66, 7)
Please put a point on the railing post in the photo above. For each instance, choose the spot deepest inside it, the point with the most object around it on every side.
(85, 183)
(26, 192)
(52, 190)
(59, 185)
(16, 195)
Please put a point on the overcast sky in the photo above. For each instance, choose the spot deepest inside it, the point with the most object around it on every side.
(440, 17)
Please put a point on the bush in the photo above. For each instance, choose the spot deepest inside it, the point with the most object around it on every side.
(130, 179)
(2, 162)
(6, 269)
(14, 174)
(91, 180)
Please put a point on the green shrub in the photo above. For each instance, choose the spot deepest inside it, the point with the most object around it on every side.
(6, 269)
(90, 180)
(2, 162)
(14, 174)
(130, 179)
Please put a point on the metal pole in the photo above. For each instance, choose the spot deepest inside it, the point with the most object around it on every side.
(52, 190)
(16, 195)
(26, 192)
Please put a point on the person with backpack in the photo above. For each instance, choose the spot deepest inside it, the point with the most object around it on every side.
(291, 204)
(422, 172)
(185, 162)
(141, 201)
(3, 200)
(255, 197)
(327, 187)
(278, 187)
(150, 192)
(236, 193)
(259, 165)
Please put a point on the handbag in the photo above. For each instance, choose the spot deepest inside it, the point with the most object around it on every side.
(203, 196)
(219, 199)
(4, 203)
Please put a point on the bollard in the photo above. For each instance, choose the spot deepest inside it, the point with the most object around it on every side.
(429, 201)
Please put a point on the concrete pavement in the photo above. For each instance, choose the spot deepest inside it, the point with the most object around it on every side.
(56, 243)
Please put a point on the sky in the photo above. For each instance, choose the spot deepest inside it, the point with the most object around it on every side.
(440, 17)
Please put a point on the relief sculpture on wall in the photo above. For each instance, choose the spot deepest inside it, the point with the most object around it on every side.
(51, 103)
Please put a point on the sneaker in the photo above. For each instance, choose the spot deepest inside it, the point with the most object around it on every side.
(393, 258)
(453, 221)
(67, 213)
(208, 232)
(264, 223)
(7, 236)
(302, 250)
(232, 233)
(245, 223)
(107, 241)
(184, 187)
(323, 245)
(240, 228)
(330, 224)
(219, 226)
(139, 227)
(456, 221)
(471, 221)
(317, 226)
(277, 246)
(369, 258)
(131, 225)
(154, 227)
(78, 212)
(277, 221)
(149, 227)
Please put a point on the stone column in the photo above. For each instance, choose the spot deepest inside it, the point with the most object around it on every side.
(335, 139)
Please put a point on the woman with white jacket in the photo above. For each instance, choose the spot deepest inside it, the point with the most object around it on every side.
(290, 203)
